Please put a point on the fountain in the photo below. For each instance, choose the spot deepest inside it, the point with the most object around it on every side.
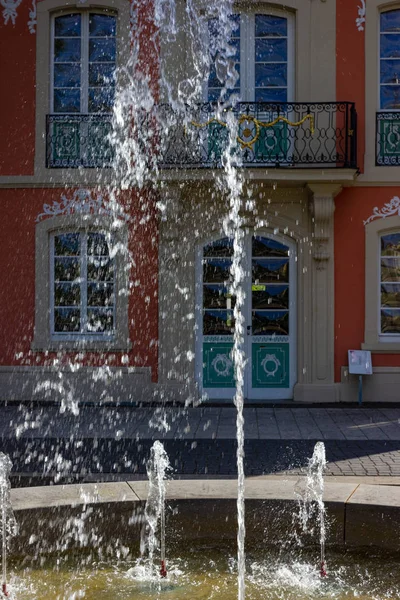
(8, 523)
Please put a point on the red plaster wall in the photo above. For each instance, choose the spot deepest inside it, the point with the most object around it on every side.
(20, 208)
(350, 66)
(353, 207)
(17, 97)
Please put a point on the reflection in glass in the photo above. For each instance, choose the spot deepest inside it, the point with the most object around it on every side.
(390, 20)
(100, 269)
(390, 321)
(269, 50)
(102, 26)
(273, 296)
(216, 270)
(100, 294)
(67, 50)
(218, 322)
(101, 99)
(390, 71)
(66, 269)
(390, 295)
(390, 244)
(67, 75)
(97, 244)
(223, 247)
(270, 26)
(262, 246)
(390, 269)
(271, 95)
(67, 320)
(102, 50)
(270, 75)
(68, 26)
(67, 244)
(270, 322)
(266, 270)
(390, 45)
(101, 74)
(217, 296)
(67, 294)
(390, 96)
(100, 320)
(67, 100)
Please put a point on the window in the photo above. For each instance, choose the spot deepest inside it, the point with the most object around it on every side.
(263, 59)
(83, 63)
(390, 286)
(382, 285)
(82, 283)
(82, 91)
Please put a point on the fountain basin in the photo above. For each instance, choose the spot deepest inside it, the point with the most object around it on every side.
(60, 517)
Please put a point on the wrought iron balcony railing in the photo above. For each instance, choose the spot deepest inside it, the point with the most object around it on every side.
(296, 134)
(78, 141)
(388, 139)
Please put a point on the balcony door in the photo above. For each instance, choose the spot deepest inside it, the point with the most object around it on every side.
(264, 58)
(270, 318)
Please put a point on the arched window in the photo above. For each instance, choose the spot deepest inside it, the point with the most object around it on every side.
(83, 62)
(264, 44)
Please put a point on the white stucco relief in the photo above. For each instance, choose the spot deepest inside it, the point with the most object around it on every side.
(388, 210)
(361, 16)
(84, 203)
(10, 10)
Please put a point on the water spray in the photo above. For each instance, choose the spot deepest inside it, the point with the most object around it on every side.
(163, 570)
(8, 524)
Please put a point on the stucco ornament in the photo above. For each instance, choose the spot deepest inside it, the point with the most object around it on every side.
(10, 10)
(390, 209)
(361, 16)
(32, 18)
(82, 202)
(270, 358)
(222, 365)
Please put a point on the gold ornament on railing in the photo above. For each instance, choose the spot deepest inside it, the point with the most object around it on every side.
(258, 125)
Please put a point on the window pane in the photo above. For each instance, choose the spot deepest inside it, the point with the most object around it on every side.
(68, 26)
(223, 247)
(390, 269)
(390, 244)
(272, 296)
(390, 295)
(67, 50)
(100, 269)
(217, 296)
(67, 244)
(101, 74)
(67, 100)
(67, 320)
(269, 25)
(267, 247)
(270, 322)
(66, 269)
(216, 271)
(271, 95)
(102, 25)
(390, 21)
(101, 99)
(270, 74)
(268, 50)
(67, 294)
(390, 321)
(270, 270)
(218, 322)
(100, 294)
(390, 71)
(390, 45)
(67, 76)
(102, 50)
(100, 320)
(390, 97)
(97, 244)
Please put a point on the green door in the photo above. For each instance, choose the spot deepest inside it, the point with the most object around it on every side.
(269, 313)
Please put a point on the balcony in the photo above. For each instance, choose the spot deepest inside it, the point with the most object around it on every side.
(293, 135)
(78, 141)
(388, 139)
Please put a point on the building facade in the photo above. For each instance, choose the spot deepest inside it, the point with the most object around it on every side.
(120, 292)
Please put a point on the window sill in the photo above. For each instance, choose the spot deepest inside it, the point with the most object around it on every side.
(382, 347)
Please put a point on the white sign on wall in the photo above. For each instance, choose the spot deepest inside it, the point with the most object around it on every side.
(360, 362)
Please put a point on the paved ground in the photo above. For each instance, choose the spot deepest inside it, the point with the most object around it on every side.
(114, 443)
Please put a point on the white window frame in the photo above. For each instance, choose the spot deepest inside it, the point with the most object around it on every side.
(44, 337)
(83, 306)
(247, 52)
(85, 16)
(374, 340)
